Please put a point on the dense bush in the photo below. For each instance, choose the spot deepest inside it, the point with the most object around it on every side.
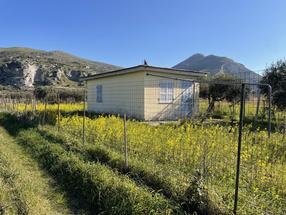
(52, 95)
(16, 94)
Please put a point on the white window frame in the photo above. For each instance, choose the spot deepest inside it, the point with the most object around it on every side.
(99, 94)
(166, 95)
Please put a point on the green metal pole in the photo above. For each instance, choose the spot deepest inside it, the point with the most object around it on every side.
(83, 120)
(125, 142)
(241, 116)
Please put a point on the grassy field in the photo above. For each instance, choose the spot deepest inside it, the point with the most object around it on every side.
(25, 188)
(98, 188)
(173, 168)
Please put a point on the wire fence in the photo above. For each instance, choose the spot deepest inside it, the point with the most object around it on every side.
(183, 127)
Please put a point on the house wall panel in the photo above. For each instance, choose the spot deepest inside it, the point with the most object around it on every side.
(154, 110)
(120, 94)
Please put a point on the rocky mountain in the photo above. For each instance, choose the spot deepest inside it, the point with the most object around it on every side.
(24, 67)
(218, 65)
(27, 68)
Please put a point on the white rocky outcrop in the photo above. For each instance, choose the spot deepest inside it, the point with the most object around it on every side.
(29, 74)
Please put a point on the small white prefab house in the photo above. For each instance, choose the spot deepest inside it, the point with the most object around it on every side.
(145, 92)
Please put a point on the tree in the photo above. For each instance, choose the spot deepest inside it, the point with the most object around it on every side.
(51, 94)
(221, 88)
(275, 75)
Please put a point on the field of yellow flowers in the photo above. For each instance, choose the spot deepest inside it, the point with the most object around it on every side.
(190, 165)
(182, 151)
(50, 107)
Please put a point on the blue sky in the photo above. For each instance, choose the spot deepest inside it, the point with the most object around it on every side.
(165, 32)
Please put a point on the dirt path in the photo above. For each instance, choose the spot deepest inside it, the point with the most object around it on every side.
(25, 188)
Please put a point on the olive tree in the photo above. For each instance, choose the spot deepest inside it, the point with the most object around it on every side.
(275, 75)
(220, 88)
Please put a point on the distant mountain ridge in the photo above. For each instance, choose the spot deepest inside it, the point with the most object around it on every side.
(216, 65)
(28, 68)
(25, 67)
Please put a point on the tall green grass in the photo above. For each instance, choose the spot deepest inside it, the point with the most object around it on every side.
(11, 199)
(30, 190)
(105, 191)
(168, 181)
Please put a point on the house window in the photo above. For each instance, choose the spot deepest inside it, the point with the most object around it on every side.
(99, 93)
(166, 92)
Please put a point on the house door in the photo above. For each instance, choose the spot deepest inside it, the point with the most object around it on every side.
(186, 98)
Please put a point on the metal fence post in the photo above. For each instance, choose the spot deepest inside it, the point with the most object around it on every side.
(125, 143)
(45, 109)
(269, 110)
(58, 111)
(193, 98)
(83, 120)
(241, 116)
(257, 108)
